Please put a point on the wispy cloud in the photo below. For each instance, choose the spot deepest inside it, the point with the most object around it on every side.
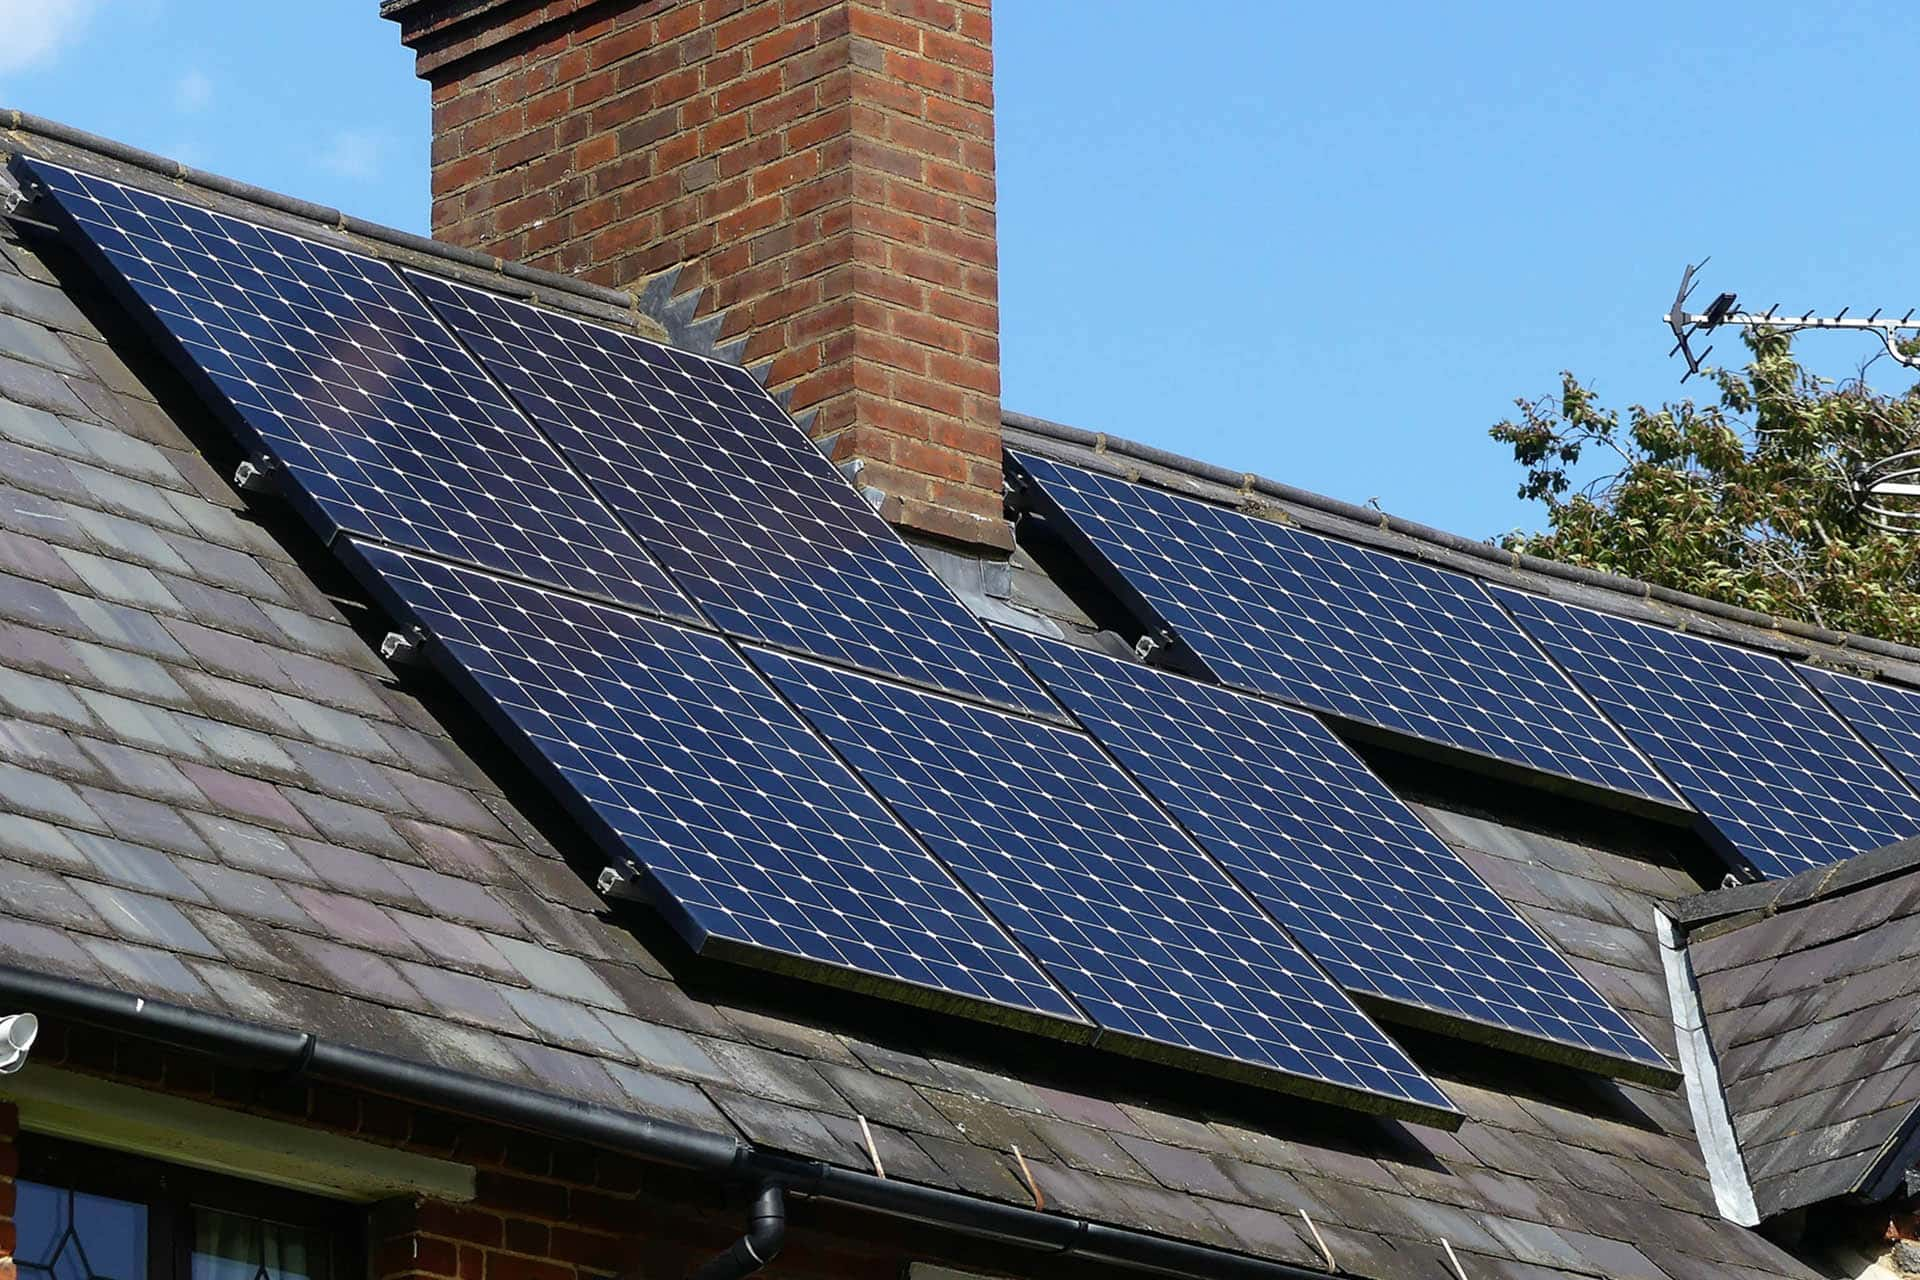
(36, 29)
(191, 92)
(354, 154)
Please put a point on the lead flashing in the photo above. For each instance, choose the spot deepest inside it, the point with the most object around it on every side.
(1706, 1099)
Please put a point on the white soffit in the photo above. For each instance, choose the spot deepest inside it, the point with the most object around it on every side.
(81, 1108)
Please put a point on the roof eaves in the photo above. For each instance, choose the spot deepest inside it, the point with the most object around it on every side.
(1609, 592)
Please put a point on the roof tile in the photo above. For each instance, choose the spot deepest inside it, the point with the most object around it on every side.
(25, 791)
(455, 995)
(36, 746)
(1267, 1234)
(41, 843)
(1181, 1169)
(349, 824)
(343, 968)
(1089, 1150)
(150, 972)
(37, 947)
(147, 822)
(141, 918)
(656, 1095)
(976, 1170)
(886, 1100)
(243, 893)
(353, 920)
(44, 896)
(784, 1128)
(562, 1021)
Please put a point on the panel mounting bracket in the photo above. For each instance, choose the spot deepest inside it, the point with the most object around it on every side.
(12, 198)
(1152, 642)
(258, 474)
(618, 886)
(402, 648)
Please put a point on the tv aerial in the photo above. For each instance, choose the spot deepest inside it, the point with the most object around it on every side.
(1888, 489)
(1688, 325)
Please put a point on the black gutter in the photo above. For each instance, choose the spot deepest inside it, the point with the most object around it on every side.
(288, 1053)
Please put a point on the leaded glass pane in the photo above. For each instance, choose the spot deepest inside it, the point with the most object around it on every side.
(69, 1235)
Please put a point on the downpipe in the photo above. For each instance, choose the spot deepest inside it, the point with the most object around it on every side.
(766, 1232)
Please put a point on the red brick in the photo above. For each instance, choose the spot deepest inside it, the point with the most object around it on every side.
(931, 13)
(505, 1266)
(822, 170)
(976, 58)
(869, 25)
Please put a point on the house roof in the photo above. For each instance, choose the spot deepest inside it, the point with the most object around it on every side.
(1607, 592)
(1806, 989)
(214, 792)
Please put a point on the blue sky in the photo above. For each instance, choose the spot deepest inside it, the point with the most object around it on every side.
(1327, 243)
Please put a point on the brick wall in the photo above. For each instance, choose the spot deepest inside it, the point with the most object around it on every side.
(822, 169)
(9, 1165)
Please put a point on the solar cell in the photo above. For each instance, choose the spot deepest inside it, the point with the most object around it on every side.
(1141, 928)
(1344, 629)
(746, 513)
(1333, 855)
(1777, 774)
(1886, 715)
(326, 360)
(667, 745)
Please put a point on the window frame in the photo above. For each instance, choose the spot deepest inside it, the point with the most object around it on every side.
(171, 1192)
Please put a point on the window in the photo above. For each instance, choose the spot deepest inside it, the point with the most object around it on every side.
(86, 1214)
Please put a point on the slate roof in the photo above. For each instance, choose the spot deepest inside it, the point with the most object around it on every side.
(1807, 992)
(214, 792)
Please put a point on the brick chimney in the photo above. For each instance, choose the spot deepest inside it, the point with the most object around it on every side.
(822, 170)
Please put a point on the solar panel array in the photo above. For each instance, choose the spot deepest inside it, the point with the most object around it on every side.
(1777, 774)
(1340, 861)
(750, 518)
(388, 428)
(513, 480)
(1344, 629)
(1887, 716)
(672, 747)
(1136, 923)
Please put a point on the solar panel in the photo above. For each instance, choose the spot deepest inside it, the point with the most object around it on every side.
(1886, 715)
(743, 509)
(1345, 867)
(1344, 629)
(666, 744)
(1140, 927)
(325, 359)
(1777, 774)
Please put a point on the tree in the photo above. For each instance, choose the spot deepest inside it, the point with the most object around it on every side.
(1749, 500)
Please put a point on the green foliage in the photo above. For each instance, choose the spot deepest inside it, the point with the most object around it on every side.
(1749, 500)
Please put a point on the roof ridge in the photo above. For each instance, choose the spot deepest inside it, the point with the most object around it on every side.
(656, 300)
(1743, 904)
(1248, 482)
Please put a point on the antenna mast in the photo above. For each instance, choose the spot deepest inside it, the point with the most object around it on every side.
(1686, 325)
(1888, 489)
